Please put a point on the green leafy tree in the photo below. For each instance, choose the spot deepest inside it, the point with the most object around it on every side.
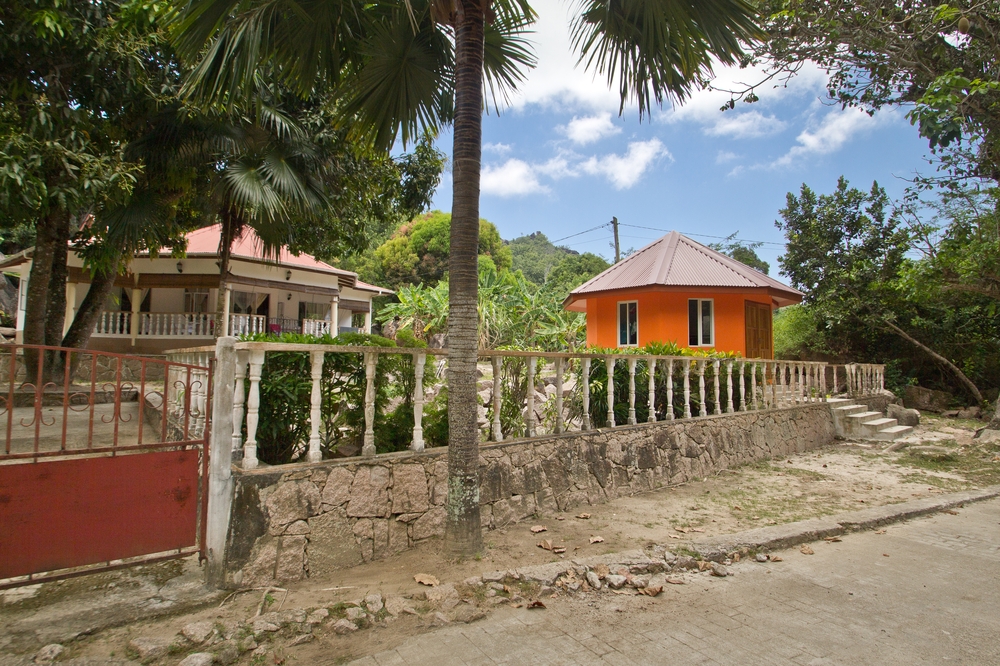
(534, 255)
(847, 251)
(573, 271)
(742, 251)
(418, 252)
(401, 65)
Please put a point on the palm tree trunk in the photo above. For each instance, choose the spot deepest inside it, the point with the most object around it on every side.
(463, 532)
(227, 233)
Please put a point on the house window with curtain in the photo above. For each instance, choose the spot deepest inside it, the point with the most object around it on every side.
(701, 322)
(628, 324)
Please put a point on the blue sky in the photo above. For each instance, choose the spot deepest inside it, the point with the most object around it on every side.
(560, 160)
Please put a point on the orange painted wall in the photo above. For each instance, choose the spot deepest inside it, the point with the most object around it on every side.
(663, 317)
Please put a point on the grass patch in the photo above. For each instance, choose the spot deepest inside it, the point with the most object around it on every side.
(926, 479)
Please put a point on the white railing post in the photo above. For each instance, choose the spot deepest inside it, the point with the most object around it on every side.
(316, 407)
(631, 391)
(651, 366)
(687, 389)
(670, 390)
(419, 361)
(715, 384)
(220, 482)
(702, 411)
(609, 363)
(559, 394)
(753, 383)
(743, 386)
(253, 406)
(586, 393)
(530, 398)
(497, 400)
(368, 448)
(239, 400)
(729, 387)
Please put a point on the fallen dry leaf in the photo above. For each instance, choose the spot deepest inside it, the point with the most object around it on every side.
(652, 590)
(674, 536)
(560, 518)
(535, 529)
(546, 544)
(879, 531)
(833, 539)
(558, 550)
(696, 529)
(736, 557)
(737, 508)
(596, 539)
(806, 550)
(681, 530)
(628, 591)
(702, 565)
(536, 604)
(885, 554)
(776, 558)
(950, 512)
(675, 581)
(426, 579)
(584, 516)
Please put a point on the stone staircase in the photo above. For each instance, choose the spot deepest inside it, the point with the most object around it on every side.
(854, 421)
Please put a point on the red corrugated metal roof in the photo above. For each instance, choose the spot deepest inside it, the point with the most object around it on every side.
(677, 261)
(249, 246)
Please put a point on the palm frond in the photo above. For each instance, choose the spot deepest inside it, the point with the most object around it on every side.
(507, 54)
(659, 49)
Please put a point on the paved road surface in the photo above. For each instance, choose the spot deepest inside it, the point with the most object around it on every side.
(934, 599)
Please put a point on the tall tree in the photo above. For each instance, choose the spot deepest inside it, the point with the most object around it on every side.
(401, 64)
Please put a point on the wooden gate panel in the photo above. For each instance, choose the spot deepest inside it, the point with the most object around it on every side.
(84, 511)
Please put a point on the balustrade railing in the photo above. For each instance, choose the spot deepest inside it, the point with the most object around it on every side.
(247, 324)
(113, 323)
(536, 393)
(315, 327)
(157, 324)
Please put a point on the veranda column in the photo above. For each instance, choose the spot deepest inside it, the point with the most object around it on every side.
(335, 315)
(134, 323)
(70, 306)
(316, 407)
(226, 300)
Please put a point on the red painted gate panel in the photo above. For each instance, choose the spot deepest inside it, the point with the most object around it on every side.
(71, 513)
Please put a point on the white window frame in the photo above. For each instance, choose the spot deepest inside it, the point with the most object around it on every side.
(618, 327)
(700, 331)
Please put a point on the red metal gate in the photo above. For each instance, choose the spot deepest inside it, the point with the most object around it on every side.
(104, 463)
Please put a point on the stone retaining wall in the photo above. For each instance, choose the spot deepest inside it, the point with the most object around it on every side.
(314, 518)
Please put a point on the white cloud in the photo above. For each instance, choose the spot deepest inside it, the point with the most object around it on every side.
(498, 148)
(746, 125)
(590, 128)
(513, 178)
(832, 133)
(624, 171)
(724, 156)
(559, 167)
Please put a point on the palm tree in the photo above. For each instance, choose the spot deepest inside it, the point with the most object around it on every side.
(400, 64)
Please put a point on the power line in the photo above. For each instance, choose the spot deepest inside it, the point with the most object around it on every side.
(579, 234)
(745, 240)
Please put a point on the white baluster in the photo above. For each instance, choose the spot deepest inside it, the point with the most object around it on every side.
(368, 448)
(497, 400)
(631, 391)
(729, 387)
(239, 398)
(701, 389)
(253, 406)
(687, 389)
(559, 395)
(651, 366)
(420, 360)
(715, 382)
(316, 407)
(586, 394)
(753, 383)
(743, 386)
(532, 366)
(670, 390)
(609, 363)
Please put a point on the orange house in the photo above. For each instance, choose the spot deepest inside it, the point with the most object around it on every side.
(677, 290)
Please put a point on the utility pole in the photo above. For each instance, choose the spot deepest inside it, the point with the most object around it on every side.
(618, 251)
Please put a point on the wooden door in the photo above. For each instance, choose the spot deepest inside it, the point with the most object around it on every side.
(759, 337)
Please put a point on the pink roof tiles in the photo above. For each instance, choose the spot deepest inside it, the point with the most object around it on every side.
(677, 261)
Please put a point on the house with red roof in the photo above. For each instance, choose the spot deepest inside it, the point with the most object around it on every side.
(165, 302)
(678, 290)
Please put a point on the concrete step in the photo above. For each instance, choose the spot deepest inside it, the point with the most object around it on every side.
(840, 411)
(853, 427)
(871, 428)
(892, 433)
